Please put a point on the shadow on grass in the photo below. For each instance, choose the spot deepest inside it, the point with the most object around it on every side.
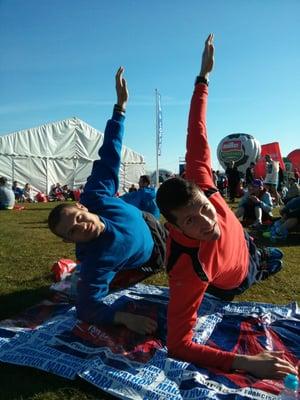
(22, 383)
(39, 209)
(14, 303)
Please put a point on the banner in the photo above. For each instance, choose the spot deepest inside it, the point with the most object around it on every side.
(273, 149)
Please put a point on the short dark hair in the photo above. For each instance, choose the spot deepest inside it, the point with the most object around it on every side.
(3, 180)
(175, 193)
(145, 179)
(55, 216)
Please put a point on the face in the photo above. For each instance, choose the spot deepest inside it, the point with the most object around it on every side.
(254, 190)
(198, 221)
(77, 224)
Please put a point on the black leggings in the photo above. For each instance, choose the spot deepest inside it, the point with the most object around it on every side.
(155, 263)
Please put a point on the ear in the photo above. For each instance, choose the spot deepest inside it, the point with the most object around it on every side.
(81, 206)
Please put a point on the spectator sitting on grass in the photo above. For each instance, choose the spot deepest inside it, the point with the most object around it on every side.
(290, 219)
(28, 193)
(144, 197)
(7, 196)
(19, 193)
(256, 205)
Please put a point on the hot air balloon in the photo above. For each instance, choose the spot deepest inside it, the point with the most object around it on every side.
(294, 157)
(241, 148)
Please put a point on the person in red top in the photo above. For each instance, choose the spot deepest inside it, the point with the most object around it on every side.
(207, 248)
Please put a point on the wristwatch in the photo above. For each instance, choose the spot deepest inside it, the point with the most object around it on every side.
(201, 79)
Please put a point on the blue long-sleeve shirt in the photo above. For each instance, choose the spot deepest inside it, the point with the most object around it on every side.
(144, 199)
(125, 243)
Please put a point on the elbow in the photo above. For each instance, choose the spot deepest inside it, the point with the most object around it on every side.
(177, 349)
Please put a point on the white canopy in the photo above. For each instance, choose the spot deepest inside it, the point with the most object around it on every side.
(61, 152)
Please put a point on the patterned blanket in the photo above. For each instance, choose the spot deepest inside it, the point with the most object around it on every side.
(130, 366)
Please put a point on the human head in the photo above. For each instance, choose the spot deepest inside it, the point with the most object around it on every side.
(252, 165)
(74, 223)
(267, 157)
(144, 181)
(256, 186)
(187, 208)
(3, 181)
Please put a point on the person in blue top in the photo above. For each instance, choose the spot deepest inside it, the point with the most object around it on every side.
(256, 204)
(144, 197)
(7, 196)
(116, 243)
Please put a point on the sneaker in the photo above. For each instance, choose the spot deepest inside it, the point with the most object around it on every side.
(277, 234)
(270, 268)
(270, 253)
(256, 225)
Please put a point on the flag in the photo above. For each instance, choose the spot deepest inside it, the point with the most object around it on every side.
(159, 124)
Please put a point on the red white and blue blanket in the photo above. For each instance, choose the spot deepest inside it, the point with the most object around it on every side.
(131, 366)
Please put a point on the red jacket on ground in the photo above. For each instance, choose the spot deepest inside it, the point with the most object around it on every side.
(224, 262)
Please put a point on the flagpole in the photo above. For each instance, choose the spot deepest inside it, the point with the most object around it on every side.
(157, 137)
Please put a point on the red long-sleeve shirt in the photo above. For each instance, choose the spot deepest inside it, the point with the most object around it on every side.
(224, 261)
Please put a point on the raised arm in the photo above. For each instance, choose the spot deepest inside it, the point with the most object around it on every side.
(198, 158)
(104, 178)
(121, 89)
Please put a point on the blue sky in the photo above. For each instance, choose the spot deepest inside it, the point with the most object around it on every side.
(58, 59)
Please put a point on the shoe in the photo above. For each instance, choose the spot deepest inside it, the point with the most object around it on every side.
(277, 234)
(270, 268)
(256, 225)
(269, 254)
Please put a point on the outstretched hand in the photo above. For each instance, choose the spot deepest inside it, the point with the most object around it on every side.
(265, 365)
(207, 56)
(121, 89)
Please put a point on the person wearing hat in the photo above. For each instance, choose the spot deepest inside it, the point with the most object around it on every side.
(256, 204)
(7, 196)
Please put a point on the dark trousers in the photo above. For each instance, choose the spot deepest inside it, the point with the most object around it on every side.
(255, 274)
(155, 263)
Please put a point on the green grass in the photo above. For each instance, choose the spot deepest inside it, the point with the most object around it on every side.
(27, 252)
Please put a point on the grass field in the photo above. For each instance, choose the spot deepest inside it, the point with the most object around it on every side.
(27, 252)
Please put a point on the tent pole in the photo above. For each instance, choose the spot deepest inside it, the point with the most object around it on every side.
(46, 176)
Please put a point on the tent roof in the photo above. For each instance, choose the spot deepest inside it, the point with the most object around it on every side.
(67, 139)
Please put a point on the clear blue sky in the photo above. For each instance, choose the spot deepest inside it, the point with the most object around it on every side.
(58, 59)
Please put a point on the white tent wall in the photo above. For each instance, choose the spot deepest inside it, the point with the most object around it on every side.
(62, 152)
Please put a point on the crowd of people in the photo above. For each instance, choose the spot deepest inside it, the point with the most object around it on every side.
(10, 195)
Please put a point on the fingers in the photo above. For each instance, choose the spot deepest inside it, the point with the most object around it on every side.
(124, 83)
(119, 77)
(210, 39)
(150, 326)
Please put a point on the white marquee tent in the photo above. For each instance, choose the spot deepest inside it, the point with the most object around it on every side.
(61, 152)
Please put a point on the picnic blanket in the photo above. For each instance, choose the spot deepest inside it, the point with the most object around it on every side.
(131, 366)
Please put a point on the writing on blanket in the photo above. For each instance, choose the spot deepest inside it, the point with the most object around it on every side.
(132, 366)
